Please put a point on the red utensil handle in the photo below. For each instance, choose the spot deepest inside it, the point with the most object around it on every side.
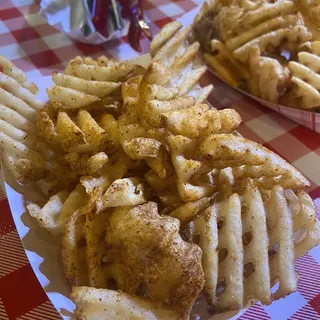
(100, 12)
(132, 9)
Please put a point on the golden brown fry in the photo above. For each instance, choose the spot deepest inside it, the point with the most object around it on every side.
(226, 66)
(73, 250)
(268, 70)
(156, 264)
(189, 171)
(19, 106)
(96, 304)
(224, 151)
(306, 77)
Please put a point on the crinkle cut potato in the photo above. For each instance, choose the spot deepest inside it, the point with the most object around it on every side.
(248, 43)
(154, 194)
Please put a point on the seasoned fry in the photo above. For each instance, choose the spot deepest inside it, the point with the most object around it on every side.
(306, 78)
(225, 65)
(19, 106)
(139, 143)
(157, 264)
(165, 189)
(111, 71)
(164, 36)
(224, 284)
(297, 35)
(73, 250)
(95, 88)
(189, 210)
(206, 228)
(200, 121)
(26, 164)
(98, 271)
(281, 243)
(271, 71)
(9, 69)
(124, 192)
(224, 151)
(189, 171)
(60, 207)
(176, 57)
(82, 134)
(96, 304)
(306, 226)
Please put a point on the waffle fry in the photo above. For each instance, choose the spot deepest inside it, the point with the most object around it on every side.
(187, 169)
(310, 10)
(200, 121)
(157, 98)
(18, 110)
(206, 228)
(57, 177)
(224, 151)
(306, 78)
(268, 223)
(189, 210)
(165, 189)
(124, 192)
(97, 304)
(280, 230)
(73, 250)
(164, 36)
(83, 134)
(139, 143)
(289, 38)
(177, 57)
(26, 164)
(98, 270)
(127, 229)
(54, 215)
(85, 164)
(255, 241)
(223, 265)
(258, 21)
(222, 62)
(47, 216)
(110, 70)
(116, 168)
(306, 226)
(273, 72)
(9, 69)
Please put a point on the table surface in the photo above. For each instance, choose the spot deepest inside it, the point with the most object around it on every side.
(40, 49)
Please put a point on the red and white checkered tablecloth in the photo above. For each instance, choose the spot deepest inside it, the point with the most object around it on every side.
(40, 49)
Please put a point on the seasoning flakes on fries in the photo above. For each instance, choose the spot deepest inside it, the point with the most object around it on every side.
(154, 194)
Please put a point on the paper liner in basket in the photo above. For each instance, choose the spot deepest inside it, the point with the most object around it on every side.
(308, 119)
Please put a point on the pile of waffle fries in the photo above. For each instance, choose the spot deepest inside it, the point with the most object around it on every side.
(155, 195)
(268, 48)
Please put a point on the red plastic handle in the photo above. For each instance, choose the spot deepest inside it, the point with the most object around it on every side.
(100, 9)
(133, 9)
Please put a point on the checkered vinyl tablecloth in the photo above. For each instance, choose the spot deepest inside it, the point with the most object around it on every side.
(40, 49)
